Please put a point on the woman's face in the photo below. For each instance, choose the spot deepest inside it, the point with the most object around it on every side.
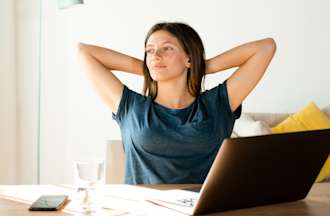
(165, 57)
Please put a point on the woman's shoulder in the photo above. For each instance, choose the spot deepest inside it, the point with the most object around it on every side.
(132, 94)
(217, 98)
(130, 101)
(214, 91)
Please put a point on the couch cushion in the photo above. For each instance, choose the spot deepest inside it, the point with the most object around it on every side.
(271, 119)
(310, 118)
(326, 110)
(247, 126)
(233, 135)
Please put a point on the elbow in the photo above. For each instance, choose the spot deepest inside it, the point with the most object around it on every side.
(269, 44)
(82, 53)
(83, 49)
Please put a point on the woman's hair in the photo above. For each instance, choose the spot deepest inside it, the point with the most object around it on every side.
(193, 47)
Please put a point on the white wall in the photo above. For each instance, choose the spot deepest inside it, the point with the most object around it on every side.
(7, 94)
(27, 68)
(75, 124)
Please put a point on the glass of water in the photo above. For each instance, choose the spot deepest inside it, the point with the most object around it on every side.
(89, 176)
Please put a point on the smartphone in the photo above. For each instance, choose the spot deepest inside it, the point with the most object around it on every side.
(49, 203)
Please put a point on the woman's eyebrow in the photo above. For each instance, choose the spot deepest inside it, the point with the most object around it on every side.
(151, 44)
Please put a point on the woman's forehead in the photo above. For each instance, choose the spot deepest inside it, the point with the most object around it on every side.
(162, 37)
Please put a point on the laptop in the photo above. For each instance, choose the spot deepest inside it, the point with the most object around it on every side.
(254, 171)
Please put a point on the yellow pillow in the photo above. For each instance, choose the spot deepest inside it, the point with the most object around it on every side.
(310, 118)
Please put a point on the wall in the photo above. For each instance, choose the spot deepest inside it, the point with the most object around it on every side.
(27, 70)
(7, 94)
(75, 124)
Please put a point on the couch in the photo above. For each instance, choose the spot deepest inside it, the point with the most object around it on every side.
(249, 124)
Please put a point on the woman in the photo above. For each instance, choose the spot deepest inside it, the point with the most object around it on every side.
(172, 133)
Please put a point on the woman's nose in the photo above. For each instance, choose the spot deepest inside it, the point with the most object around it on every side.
(157, 54)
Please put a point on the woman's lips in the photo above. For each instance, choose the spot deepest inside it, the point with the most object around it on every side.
(159, 66)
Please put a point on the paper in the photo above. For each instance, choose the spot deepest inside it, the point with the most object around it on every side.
(141, 200)
(173, 199)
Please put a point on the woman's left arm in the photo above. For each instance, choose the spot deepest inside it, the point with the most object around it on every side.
(252, 59)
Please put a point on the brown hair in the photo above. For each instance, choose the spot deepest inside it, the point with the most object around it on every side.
(192, 45)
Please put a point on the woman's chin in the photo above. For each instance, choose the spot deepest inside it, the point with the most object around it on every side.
(158, 77)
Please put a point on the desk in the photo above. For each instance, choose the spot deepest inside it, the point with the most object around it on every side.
(14, 201)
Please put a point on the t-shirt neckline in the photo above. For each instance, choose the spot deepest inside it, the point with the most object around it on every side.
(174, 109)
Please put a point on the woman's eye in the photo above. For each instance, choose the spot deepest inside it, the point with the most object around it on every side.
(168, 48)
(149, 51)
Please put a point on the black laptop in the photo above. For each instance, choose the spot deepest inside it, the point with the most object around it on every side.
(254, 171)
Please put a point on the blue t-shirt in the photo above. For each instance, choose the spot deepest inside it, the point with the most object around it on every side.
(167, 146)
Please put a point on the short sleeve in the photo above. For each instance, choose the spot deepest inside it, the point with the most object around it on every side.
(224, 95)
(124, 105)
(218, 96)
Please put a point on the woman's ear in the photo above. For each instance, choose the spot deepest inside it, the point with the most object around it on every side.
(188, 63)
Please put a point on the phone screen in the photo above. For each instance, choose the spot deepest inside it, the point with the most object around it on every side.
(49, 203)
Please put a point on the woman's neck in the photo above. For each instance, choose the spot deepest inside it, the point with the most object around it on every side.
(173, 95)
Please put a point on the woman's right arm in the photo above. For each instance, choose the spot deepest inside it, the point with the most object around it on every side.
(98, 63)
